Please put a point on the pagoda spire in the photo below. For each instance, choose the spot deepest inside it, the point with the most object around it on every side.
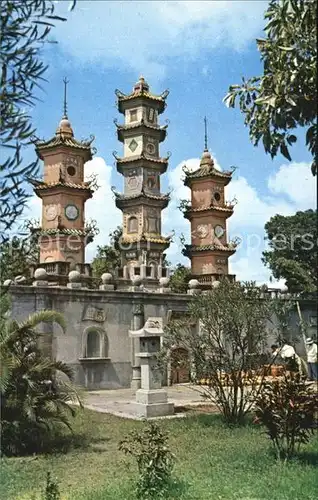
(205, 134)
(66, 81)
(65, 127)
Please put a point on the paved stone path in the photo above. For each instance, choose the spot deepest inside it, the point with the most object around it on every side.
(119, 402)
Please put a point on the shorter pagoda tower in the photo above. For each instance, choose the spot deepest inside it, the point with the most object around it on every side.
(142, 244)
(62, 234)
(208, 212)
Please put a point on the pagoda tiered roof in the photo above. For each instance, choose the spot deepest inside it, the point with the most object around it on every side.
(142, 156)
(141, 90)
(161, 130)
(65, 231)
(228, 248)
(146, 237)
(43, 186)
(123, 200)
(160, 164)
(64, 136)
(228, 209)
(206, 170)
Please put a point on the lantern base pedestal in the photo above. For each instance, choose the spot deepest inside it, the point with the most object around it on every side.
(153, 410)
(152, 403)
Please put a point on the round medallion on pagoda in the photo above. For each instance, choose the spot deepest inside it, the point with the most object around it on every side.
(150, 148)
(202, 230)
(71, 212)
(50, 212)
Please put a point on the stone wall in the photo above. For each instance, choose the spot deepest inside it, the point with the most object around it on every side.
(107, 316)
(107, 312)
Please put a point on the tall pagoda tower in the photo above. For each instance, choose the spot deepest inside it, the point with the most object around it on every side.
(141, 166)
(62, 235)
(208, 213)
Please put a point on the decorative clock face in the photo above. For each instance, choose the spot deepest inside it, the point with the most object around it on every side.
(202, 231)
(219, 231)
(50, 212)
(71, 212)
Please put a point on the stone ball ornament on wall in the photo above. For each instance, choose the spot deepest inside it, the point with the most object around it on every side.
(106, 278)
(40, 274)
(71, 212)
(74, 277)
(164, 282)
(193, 283)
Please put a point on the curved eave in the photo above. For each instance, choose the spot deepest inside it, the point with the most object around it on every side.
(122, 201)
(64, 231)
(64, 142)
(160, 164)
(124, 101)
(156, 240)
(194, 177)
(188, 214)
(124, 131)
(189, 250)
(46, 189)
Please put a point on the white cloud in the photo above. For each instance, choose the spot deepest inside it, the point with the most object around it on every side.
(252, 211)
(292, 182)
(142, 35)
(102, 206)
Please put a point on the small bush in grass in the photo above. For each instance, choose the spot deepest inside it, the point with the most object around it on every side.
(51, 491)
(288, 410)
(154, 460)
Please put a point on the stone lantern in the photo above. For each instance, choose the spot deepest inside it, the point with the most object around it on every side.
(151, 398)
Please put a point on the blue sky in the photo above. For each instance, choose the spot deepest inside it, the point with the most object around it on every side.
(196, 50)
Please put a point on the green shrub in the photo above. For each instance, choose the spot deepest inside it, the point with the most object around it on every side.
(154, 460)
(287, 409)
(51, 491)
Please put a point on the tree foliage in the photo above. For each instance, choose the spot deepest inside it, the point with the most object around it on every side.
(179, 279)
(35, 396)
(25, 27)
(292, 253)
(107, 258)
(285, 96)
(17, 255)
(225, 333)
(229, 349)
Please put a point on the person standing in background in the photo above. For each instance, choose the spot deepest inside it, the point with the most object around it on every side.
(292, 360)
(312, 361)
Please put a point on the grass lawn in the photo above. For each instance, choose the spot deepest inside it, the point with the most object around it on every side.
(213, 462)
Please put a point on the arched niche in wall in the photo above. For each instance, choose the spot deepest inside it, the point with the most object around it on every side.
(132, 225)
(95, 343)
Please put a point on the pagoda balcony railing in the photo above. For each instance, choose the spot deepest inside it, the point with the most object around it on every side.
(208, 279)
(62, 268)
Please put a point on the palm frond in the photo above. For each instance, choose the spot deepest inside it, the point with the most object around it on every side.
(44, 316)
